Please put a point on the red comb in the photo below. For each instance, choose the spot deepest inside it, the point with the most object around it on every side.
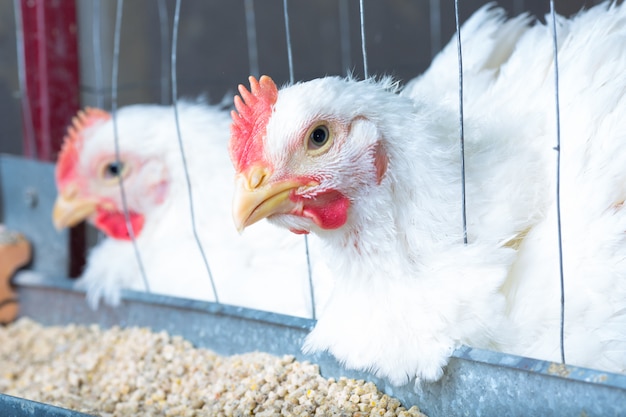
(73, 142)
(254, 109)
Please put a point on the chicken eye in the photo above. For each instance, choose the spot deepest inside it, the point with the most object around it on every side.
(318, 139)
(113, 170)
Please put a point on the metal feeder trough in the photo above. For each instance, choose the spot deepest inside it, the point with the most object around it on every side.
(476, 382)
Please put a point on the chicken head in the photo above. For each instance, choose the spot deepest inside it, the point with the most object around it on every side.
(89, 172)
(302, 173)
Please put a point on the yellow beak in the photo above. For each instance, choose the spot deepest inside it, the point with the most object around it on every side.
(255, 198)
(69, 209)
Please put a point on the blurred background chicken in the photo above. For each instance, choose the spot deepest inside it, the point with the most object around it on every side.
(377, 176)
(150, 164)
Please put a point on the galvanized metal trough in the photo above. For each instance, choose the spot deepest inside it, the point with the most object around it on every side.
(476, 382)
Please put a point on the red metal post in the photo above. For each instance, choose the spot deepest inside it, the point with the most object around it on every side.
(52, 87)
(52, 80)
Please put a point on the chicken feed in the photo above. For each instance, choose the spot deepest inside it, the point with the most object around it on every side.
(134, 371)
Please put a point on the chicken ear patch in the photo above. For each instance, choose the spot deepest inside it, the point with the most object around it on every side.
(155, 181)
(381, 161)
(254, 109)
(73, 143)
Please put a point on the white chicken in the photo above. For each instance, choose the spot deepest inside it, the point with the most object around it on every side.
(377, 176)
(151, 166)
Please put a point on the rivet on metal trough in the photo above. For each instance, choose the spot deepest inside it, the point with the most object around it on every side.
(30, 197)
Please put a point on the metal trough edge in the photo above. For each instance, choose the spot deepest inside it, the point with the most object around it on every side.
(476, 382)
(19, 407)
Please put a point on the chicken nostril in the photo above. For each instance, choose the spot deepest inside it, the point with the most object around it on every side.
(257, 178)
(69, 191)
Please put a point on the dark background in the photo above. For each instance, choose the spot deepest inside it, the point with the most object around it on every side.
(213, 53)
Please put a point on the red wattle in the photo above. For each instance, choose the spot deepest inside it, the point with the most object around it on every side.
(113, 223)
(328, 210)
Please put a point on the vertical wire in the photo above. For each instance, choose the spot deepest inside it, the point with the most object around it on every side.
(461, 127)
(344, 33)
(114, 74)
(181, 147)
(363, 49)
(29, 129)
(43, 150)
(253, 51)
(306, 238)
(164, 31)
(435, 27)
(97, 64)
(558, 177)
(288, 35)
(97, 53)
